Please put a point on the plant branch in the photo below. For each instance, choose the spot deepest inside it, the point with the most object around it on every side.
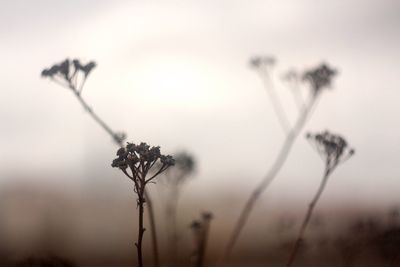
(273, 171)
(308, 217)
(279, 110)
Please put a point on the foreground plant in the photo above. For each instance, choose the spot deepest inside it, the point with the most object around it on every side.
(175, 178)
(200, 229)
(317, 79)
(334, 150)
(72, 74)
(137, 162)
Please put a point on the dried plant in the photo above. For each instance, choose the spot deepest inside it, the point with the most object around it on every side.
(175, 177)
(317, 79)
(200, 229)
(73, 75)
(137, 162)
(334, 150)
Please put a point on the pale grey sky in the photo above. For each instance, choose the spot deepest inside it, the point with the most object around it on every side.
(175, 74)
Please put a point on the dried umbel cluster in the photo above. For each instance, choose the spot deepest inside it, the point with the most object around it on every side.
(262, 61)
(140, 159)
(333, 148)
(70, 73)
(181, 171)
(319, 77)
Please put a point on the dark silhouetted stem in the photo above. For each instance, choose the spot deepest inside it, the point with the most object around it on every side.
(147, 195)
(119, 142)
(141, 202)
(307, 218)
(273, 171)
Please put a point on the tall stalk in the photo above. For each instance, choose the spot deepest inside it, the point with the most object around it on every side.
(307, 218)
(318, 79)
(171, 218)
(175, 178)
(64, 76)
(334, 150)
(140, 160)
(138, 244)
(273, 171)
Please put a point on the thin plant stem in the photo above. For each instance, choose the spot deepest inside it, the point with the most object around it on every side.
(308, 217)
(299, 99)
(105, 127)
(273, 171)
(171, 215)
(141, 201)
(149, 202)
(276, 103)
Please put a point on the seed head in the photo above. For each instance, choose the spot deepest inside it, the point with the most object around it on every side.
(262, 61)
(66, 72)
(140, 159)
(319, 77)
(333, 148)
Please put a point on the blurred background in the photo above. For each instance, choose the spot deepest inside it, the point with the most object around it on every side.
(176, 74)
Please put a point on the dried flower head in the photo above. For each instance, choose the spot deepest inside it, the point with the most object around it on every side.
(319, 77)
(207, 216)
(182, 170)
(262, 61)
(332, 148)
(141, 159)
(67, 72)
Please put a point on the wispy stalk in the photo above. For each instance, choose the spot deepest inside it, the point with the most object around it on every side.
(263, 66)
(318, 78)
(334, 150)
(175, 178)
(67, 74)
(276, 103)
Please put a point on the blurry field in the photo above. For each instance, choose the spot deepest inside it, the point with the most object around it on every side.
(98, 229)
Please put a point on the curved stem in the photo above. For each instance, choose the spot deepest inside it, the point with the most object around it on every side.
(263, 185)
(307, 218)
(276, 103)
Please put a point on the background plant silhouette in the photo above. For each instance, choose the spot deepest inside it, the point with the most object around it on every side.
(175, 178)
(317, 79)
(200, 229)
(334, 150)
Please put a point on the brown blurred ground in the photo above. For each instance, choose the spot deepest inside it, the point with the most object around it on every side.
(93, 229)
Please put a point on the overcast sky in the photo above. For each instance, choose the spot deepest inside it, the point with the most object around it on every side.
(176, 74)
